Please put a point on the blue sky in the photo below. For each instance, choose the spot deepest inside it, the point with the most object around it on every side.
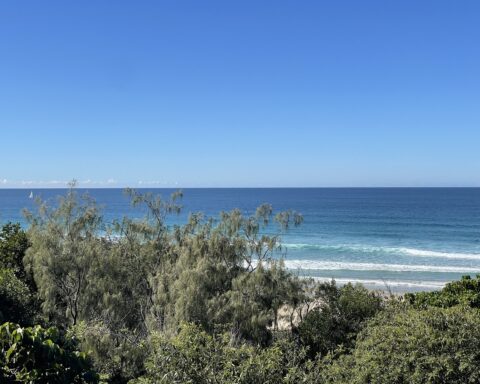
(240, 93)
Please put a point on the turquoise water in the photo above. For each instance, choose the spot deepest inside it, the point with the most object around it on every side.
(406, 238)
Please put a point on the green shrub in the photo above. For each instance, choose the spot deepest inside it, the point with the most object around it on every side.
(405, 345)
(194, 356)
(42, 356)
(338, 319)
(13, 245)
(117, 355)
(465, 291)
(16, 302)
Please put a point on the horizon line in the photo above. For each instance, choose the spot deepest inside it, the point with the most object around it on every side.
(240, 187)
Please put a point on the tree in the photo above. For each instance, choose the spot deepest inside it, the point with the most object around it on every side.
(86, 276)
(222, 274)
(65, 248)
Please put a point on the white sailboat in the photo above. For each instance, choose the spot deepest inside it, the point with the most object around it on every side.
(31, 195)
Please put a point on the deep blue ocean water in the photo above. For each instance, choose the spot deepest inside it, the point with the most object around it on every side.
(407, 238)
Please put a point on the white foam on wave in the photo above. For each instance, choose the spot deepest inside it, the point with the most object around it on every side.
(446, 255)
(390, 250)
(388, 283)
(338, 265)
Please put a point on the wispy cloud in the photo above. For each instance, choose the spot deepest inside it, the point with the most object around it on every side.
(157, 183)
(151, 182)
(87, 183)
(7, 183)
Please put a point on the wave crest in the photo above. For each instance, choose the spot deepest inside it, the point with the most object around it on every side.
(387, 283)
(404, 251)
(339, 265)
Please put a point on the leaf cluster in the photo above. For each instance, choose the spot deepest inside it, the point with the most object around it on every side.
(38, 355)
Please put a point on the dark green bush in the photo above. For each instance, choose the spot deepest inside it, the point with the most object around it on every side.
(338, 319)
(194, 356)
(465, 292)
(406, 345)
(16, 302)
(41, 356)
(13, 245)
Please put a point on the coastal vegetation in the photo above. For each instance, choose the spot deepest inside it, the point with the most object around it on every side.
(208, 301)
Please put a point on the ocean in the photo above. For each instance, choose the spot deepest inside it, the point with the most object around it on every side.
(404, 239)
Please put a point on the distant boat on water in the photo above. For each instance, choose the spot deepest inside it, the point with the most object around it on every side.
(31, 195)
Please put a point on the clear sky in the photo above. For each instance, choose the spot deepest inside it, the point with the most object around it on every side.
(240, 93)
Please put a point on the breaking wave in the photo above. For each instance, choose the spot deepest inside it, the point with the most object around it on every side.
(382, 250)
(388, 283)
(338, 265)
